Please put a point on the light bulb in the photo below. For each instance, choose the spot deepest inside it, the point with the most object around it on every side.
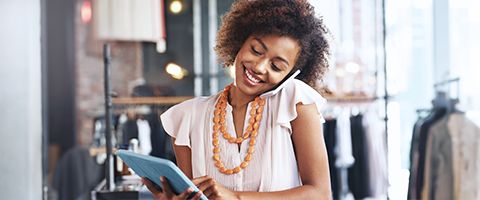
(176, 71)
(352, 67)
(176, 6)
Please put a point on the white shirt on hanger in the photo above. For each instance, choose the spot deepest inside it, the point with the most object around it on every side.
(144, 136)
(343, 149)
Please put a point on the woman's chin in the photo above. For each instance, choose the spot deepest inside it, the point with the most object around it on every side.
(249, 91)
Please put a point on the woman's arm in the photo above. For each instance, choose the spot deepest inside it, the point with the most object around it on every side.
(183, 155)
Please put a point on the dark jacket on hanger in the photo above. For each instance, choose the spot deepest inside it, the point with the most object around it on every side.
(358, 173)
(329, 129)
(417, 185)
(76, 174)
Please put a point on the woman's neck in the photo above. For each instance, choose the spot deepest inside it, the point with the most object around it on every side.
(236, 98)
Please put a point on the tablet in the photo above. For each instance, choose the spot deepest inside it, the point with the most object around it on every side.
(153, 167)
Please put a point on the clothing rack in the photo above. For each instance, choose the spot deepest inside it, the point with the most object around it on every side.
(345, 178)
(443, 105)
(122, 102)
(443, 97)
(385, 97)
(438, 86)
(356, 105)
(107, 189)
(147, 104)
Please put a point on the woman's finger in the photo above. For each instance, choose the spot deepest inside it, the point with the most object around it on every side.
(212, 192)
(197, 195)
(185, 193)
(206, 184)
(166, 187)
(200, 179)
(150, 186)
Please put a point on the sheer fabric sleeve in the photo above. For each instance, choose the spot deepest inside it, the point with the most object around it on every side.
(292, 94)
(177, 122)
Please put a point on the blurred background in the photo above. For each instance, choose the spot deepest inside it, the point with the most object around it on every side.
(397, 69)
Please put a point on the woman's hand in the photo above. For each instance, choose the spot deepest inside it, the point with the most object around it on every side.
(167, 193)
(212, 189)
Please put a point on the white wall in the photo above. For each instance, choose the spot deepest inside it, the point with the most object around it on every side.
(20, 100)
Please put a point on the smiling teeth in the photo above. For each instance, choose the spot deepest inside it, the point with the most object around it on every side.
(253, 79)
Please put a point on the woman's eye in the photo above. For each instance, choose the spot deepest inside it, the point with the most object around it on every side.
(275, 68)
(255, 51)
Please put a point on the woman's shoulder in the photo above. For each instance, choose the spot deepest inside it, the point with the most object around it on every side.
(293, 93)
(197, 102)
(180, 119)
(299, 89)
(296, 84)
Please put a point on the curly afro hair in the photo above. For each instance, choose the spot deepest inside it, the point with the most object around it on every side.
(292, 18)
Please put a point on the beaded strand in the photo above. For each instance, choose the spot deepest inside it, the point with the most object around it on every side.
(219, 125)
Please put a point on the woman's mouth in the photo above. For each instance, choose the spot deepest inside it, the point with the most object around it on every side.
(250, 78)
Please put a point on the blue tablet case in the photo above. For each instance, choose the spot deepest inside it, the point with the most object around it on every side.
(153, 167)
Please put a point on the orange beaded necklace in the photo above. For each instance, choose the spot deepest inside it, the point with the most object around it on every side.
(219, 125)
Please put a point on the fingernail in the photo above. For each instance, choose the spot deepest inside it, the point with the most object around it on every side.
(162, 178)
(190, 189)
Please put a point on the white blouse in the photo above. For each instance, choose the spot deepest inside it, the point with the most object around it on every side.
(273, 166)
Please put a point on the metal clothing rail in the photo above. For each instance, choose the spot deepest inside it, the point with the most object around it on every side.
(108, 118)
(446, 82)
(437, 86)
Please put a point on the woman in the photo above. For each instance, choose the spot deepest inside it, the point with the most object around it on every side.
(261, 137)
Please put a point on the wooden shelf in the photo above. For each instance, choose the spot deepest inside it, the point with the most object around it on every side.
(179, 99)
(150, 100)
(350, 99)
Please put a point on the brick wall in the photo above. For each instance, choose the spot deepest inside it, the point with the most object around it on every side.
(126, 68)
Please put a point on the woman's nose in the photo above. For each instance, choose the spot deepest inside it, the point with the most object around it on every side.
(261, 66)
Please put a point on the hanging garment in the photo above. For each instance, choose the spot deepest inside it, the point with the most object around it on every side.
(414, 157)
(130, 130)
(144, 136)
(120, 130)
(329, 130)
(358, 173)
(343, 148)
(377, 151)
(76, 174)
(415, 139)
(466, 156)
(419, 170)
(438, 173)
(161, 141)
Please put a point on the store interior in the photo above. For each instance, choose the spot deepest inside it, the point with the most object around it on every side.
(402, 113)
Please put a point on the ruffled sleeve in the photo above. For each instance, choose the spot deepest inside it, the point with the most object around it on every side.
(293, 93)
(177, 122)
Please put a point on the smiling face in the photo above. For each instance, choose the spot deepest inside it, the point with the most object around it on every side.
(263, 62)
